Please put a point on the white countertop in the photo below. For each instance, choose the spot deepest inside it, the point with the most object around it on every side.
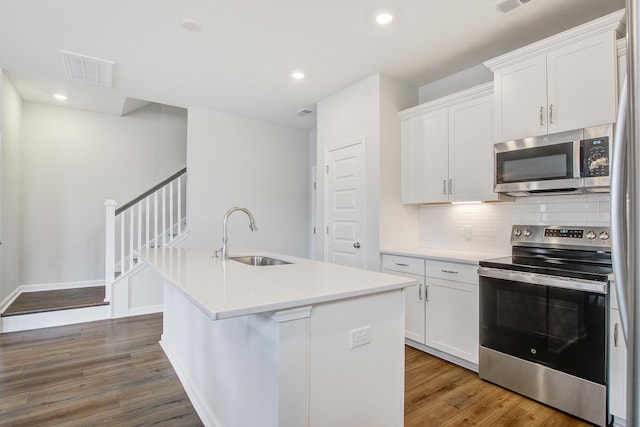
(442, 254)
(230, 288)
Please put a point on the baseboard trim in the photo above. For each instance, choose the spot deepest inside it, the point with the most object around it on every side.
(24, 322)
(138, 311)
(207, 418)
(442, 355)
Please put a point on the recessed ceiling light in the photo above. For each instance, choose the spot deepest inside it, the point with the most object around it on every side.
(384, 18)
(190, 25)
(60, 97)
(298, 75)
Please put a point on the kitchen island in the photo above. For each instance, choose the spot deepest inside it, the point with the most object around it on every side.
(299, 344)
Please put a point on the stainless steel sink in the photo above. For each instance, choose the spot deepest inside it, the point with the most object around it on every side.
(258, 260)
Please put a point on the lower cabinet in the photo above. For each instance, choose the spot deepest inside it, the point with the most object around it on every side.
(452, 309)
(414, 327)
(442, 310)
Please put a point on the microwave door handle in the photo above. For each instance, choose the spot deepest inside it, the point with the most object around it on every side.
(619, 209)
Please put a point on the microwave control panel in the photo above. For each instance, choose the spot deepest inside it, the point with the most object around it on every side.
(595, 157)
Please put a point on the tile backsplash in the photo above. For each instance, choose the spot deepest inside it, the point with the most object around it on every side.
(486, 227)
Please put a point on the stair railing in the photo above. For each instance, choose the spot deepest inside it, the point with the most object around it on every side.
(156, 218)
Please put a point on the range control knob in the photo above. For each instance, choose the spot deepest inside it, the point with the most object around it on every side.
(527, 232)
(591, 235)
(604, 235)
(517, 232)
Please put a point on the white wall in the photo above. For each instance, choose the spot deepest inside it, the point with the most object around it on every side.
(370, 109)
(457, 82)
(10, 192)
(445, 226)
(352, 114)
(236, 161)
(72, 161)
(398, 222)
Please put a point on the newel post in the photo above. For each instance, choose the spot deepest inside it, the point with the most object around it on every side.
(110, 246)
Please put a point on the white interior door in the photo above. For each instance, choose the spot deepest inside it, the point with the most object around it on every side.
(345, 205)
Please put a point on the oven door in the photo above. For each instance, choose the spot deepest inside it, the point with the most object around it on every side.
(556, 322)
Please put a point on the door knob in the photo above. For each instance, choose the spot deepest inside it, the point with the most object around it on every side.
(356, 245)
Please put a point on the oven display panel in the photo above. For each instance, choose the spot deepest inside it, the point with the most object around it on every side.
(563, 232)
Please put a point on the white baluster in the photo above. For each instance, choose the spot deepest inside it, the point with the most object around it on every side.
(139, 224)
(179, 205)
(155, 219)
(171, 211)
(131, 235)
(122, 240)
(164, 216)
(148, 223)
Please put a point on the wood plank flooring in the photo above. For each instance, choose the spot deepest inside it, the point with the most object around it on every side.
(63, 299)
(438, 393)
(113, 372)
(110, 372)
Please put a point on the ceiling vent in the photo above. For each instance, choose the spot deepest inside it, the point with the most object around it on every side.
(304, 112)
(505, 6)
(82, 68)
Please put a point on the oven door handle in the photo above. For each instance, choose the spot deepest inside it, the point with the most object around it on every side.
(544, 280)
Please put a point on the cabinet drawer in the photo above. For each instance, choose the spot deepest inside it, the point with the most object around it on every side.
(403, 264)
(467, 273)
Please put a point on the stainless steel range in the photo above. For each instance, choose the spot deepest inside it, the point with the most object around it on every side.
(543, 318)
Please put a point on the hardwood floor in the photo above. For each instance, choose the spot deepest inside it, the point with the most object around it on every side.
(438, 393)
(37, 302)
(113, 372)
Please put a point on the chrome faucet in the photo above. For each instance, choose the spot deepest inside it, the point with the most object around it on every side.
(252, 225)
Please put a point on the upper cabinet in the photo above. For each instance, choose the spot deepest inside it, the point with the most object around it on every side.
(565, 82)
(446, 148)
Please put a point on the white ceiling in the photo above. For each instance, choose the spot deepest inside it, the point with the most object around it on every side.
(241, 58)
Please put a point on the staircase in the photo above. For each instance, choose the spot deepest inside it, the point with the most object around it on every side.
(156, 218)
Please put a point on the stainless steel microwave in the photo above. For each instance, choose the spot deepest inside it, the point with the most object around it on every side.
(563, 163)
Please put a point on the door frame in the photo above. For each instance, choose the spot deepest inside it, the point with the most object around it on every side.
(325, 231)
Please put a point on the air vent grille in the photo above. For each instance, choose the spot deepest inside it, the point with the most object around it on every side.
(304, 112)
(505, 6)
(87, 69)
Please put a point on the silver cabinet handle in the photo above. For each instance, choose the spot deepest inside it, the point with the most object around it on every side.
(550, 113)
(615, 335)
(426, 292)
(356, 245)
(449, 271)
(444, 187)
(541, 115)
(420, 290)
(402, 265)
(450, 186)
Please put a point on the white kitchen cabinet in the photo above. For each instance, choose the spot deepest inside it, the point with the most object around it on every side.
(452, 309)
(442, 311)
(565, 82)
(412, 268)
(447, 148)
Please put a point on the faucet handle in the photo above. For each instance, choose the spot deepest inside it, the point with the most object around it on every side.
(218, 253)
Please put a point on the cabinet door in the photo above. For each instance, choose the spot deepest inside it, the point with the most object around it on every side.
(414, 326)
(424, 157)
(452, 318)
(521, 99)
(471, 150)
(617, 367)
(581, 79)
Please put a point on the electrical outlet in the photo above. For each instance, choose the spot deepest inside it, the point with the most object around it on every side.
(360, 336)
